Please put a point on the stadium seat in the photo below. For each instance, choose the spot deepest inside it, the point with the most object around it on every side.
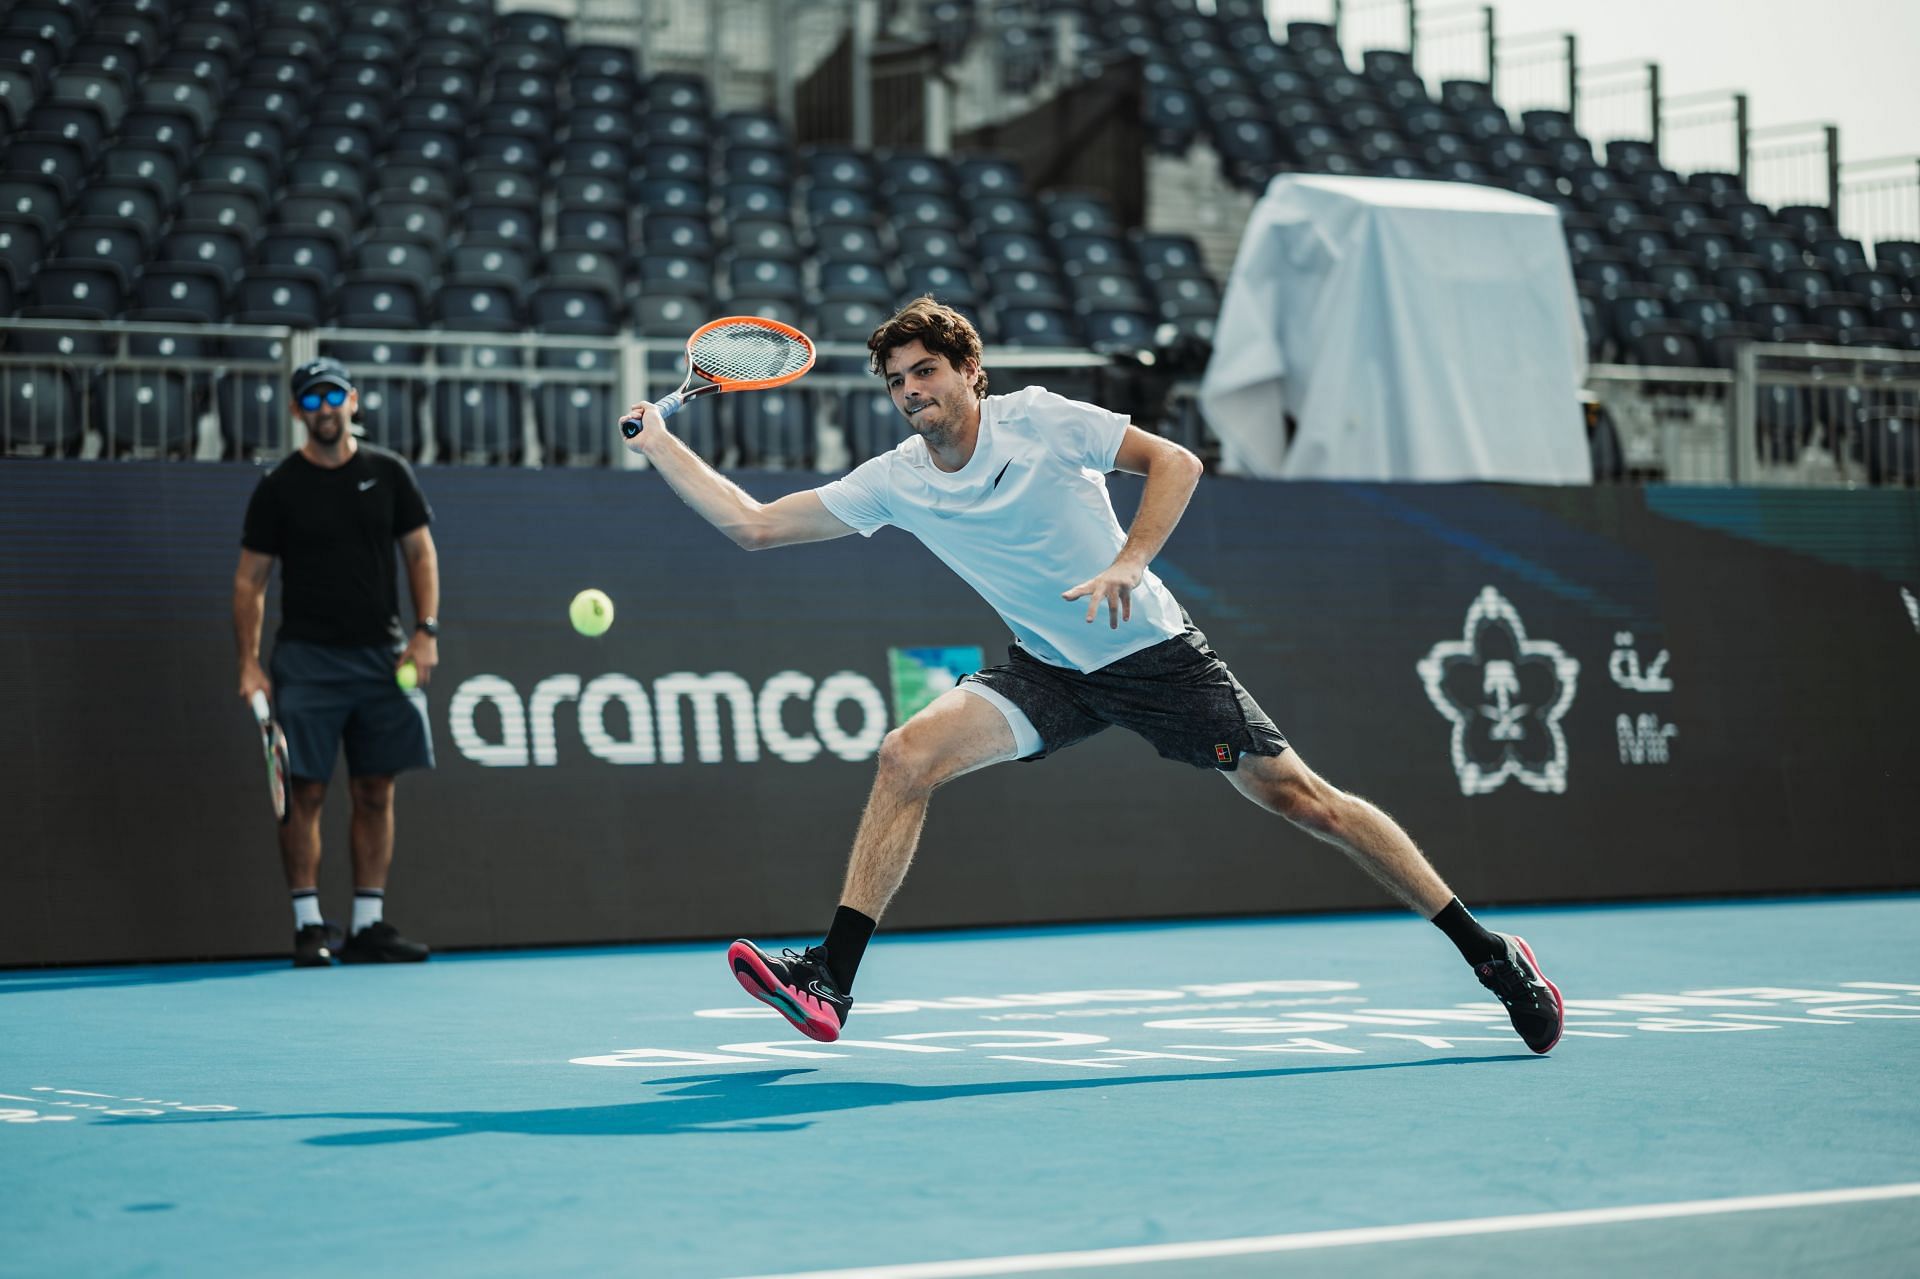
(757, 164)
(1027, 326)
(603, 194)
(302, 253)
(1811, 287)
(1092, 252)
(186, 292)
(924, 209)
(22, 248)
(418, 222)
(78, 289)
(919, 244)
(764, 238)
(660, 314)
(477, 420)
(572, 415)
(679, 234)
(766, 278)
(854, 281)
(1003, 213)
(593, 269)
(106, 242)
(329, 216)
(1185, 295)
(1901, 318)
(590, 229)
(953, 285)
(381, 301)
(478, 308)
(678, 275)
(39, 411)
(846, 242)
(381, 258)
(1664, 345)
(1900, 259)
(1028, 288)
(508, 226)
(143, 411)
(849, 320)
(1809, 222)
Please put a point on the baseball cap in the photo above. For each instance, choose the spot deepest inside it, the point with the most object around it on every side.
(324, 371)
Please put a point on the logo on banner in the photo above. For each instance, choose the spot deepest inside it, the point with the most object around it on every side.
(1505, 694)
(921, 674)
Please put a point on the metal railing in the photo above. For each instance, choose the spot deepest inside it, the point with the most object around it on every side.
(1453, 42)
(1707, 130)
(1528, 74)
(132, 390)
(1880, 199)
(1618, 100)
(1794, 414)
(1656, 424)
(1798, 164)
(1811, 415)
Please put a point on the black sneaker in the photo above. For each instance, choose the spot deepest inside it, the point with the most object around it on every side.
(381, 943)
(1533, 1003)
(798, 986)
(313, 945)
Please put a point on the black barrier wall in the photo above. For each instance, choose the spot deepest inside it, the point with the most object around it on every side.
(1564, 695)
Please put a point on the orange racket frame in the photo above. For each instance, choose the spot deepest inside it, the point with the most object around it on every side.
(675, 401)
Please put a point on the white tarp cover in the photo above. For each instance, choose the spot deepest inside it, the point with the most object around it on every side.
(1415, 330)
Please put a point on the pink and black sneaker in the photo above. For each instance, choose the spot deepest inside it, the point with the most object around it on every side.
(1533, 1003)
(798, 986)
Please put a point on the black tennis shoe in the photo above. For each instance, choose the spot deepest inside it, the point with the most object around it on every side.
(797, 986)
(381, 943)
(313, 945)
(1533, 1003)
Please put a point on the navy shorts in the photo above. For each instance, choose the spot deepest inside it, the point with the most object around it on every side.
(326, 695)
(1177, 694)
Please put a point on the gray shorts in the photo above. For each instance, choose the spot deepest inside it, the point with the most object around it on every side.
(326, 695)
(1177, 694)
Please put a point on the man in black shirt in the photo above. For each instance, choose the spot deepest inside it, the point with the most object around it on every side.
(331, 513)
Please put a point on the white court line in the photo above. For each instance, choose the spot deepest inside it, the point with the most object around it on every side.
(1348, 1238)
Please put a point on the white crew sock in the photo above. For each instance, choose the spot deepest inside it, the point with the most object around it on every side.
(368, 904)
(306, 907)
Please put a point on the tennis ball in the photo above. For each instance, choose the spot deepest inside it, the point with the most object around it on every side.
(408, 676)
(591, 612)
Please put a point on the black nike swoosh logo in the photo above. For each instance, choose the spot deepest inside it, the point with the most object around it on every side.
(996, 479)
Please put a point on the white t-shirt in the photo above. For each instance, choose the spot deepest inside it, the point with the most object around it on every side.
(1026, 518)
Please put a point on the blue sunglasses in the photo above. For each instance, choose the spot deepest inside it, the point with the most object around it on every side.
(312, 400)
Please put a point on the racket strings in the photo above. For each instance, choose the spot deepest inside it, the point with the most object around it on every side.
(748, 353)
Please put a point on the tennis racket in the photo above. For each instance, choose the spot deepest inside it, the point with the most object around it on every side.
(274, 742)
(737, 353)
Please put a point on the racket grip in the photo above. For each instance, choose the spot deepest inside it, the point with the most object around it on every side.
(668, 406)
(261, 711)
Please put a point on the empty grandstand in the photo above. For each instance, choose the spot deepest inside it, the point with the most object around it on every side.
(509, 216)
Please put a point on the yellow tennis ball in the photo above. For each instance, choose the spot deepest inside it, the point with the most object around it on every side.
(408, 676)
(591, 612)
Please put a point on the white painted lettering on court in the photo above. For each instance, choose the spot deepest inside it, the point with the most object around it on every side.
(1217, 1039)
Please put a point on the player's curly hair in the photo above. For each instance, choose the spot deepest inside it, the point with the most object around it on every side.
(941, 329)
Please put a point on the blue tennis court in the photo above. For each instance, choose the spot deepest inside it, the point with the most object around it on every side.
(1327, 1096)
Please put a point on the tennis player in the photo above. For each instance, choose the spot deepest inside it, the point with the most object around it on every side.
(1009, 491)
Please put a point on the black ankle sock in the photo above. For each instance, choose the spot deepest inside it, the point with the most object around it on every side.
(1476, 944)
(846, 943)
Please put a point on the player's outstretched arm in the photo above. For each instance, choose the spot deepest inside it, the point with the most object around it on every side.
(755, 525)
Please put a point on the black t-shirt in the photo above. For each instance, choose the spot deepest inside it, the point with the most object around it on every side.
(333, 532)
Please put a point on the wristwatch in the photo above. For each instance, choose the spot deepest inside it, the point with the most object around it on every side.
(429, 626)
